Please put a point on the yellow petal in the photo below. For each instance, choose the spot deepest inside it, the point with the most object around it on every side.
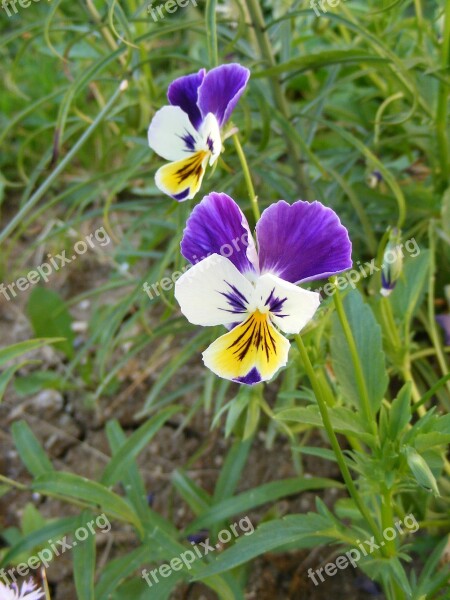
(182, 179)
(251, 352)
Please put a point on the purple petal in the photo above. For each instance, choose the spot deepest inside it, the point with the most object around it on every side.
(221, 90)
(218, 226)
(444, 322)
(183, 92)
(251, 378)
(302, 242)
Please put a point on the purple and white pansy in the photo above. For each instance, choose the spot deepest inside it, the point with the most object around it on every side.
(252, 288)
(187, 133)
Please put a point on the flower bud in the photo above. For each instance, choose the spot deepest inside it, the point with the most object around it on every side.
(373, 179)
(392, 262)
(421, 471)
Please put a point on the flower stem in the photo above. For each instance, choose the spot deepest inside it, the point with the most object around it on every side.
(11, 483)
(248, 178)
(432, 327)
(334, 441)
(359, 375)
(442, 104)
(256, 15)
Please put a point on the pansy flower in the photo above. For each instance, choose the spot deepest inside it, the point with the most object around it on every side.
(28, 592)
(252, 289)
(187, 133)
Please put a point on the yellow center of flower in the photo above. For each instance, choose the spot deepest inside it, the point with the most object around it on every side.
(254, 344)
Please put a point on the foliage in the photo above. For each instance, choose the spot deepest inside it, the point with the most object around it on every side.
(349, 108)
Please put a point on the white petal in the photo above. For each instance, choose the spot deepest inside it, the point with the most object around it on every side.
(172, 135)
(210, 134)
(290, 307)
(213, 292)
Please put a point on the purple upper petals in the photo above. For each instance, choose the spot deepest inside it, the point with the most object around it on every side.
(218, 226)
(302, 242)
(183, 92)
(221, 89)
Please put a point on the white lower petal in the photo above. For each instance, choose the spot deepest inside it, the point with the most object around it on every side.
(211, 138)
(213, 292)
(290, 307)
(172, 135)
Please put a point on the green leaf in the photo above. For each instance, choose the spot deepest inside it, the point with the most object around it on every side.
(7, 375)
(30, 451)
(79, 489)
(39, 538)
(198, 500)
(367, 335)
(269, 492)
(134, 445)
(120, 568)
(49, 316)
(400, 411)
(84, 561)
(343, 419)
(410, 290)
(304, 530)
(11, 352)
(321, 59)
(40, 380)
(231, 470)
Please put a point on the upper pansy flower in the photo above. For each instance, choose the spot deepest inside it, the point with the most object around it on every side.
(28, 592)
(187, 133)
(252, 290)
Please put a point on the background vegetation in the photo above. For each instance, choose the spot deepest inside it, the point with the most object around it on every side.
(349, 108)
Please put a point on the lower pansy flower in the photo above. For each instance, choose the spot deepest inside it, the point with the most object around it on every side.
(29, 591)
(253, 290)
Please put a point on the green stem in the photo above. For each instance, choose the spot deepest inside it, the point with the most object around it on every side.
(420, 22)
(432, 327)
(211, 32)
(392, 330)
(359, 375)
(387, 520)
(248, 179)
(11, 483)
(442, 104)
(62, 165)
(334, 441)
(267, 53)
